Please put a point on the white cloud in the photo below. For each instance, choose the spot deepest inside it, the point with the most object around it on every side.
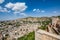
(38, 11)
(16, 6)
(1, 1)
(3, 9)
(23, 14)
(9, 5)
(19, 7)
(34, 9)
(16, 12)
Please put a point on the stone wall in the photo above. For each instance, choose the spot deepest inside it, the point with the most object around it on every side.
(43, 35)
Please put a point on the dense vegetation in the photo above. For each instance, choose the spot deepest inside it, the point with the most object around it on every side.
(58, 16)
(44, 24)
(30, 36)
(42, 27)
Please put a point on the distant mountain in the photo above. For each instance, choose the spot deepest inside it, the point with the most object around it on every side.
(31, 19)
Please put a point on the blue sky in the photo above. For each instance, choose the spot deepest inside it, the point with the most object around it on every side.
(13, 9)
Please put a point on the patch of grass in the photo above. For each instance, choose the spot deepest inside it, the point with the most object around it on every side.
(42, 27)
(30, 36)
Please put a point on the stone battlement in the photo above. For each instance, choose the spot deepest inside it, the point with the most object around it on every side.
(43, 35)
